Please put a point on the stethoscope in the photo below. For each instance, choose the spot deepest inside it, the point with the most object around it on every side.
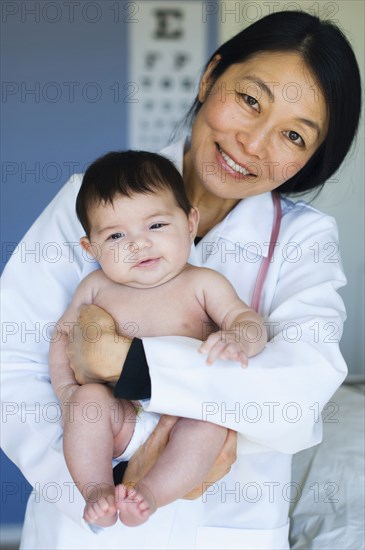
(264, 268)
(261, 277)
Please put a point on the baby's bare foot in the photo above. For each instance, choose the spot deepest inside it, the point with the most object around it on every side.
(100, 508)
(135, 504)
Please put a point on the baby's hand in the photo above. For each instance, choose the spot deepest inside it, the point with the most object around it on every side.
(224, 345)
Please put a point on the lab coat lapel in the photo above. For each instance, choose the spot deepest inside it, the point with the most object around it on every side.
(250, 223)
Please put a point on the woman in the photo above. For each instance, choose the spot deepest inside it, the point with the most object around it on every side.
(277, 109)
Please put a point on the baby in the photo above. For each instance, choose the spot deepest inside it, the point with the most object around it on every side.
(140, 226)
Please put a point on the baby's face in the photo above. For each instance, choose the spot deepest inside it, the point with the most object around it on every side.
(143, 240)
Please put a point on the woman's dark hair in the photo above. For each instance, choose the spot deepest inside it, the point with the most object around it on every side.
(327, 52)
(125, 173)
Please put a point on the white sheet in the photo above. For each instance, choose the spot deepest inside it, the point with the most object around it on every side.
(330, 510)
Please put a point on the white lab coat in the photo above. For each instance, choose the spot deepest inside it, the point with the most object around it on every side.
(273, 404)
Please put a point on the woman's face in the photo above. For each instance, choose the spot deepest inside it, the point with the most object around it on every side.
(258, 125)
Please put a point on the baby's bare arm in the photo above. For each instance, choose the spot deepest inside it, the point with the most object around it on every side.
(62, 376)
(243, 333)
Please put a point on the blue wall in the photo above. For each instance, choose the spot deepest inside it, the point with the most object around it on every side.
(61, 107)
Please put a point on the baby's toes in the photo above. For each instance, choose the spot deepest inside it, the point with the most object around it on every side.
(101, 506)
(120, 493)
(144, 506)
(89, 514)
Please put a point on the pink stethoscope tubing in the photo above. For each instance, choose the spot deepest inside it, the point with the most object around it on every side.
(256, 297)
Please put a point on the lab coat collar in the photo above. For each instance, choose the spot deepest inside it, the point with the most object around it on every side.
(249, 223)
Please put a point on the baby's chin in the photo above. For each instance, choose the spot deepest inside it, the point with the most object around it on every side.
(146, 283)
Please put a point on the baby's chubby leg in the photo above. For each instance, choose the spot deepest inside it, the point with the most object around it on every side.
(188, 457)
(97, 428)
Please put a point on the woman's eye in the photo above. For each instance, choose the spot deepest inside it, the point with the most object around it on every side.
(158, 225)
(295, 137)
(116, 236)
(251, 101)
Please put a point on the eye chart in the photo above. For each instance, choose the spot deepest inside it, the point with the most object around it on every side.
(168, 50)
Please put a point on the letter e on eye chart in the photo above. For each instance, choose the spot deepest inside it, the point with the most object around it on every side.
(168, 46)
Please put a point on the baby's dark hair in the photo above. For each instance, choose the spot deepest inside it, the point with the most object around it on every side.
(125, 173)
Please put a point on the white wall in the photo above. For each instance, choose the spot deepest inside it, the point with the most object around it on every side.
(343, 198)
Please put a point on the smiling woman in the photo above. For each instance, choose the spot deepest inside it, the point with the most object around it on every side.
(320, 76)
(248, 128)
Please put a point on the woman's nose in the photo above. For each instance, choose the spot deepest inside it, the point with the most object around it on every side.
(255, 140)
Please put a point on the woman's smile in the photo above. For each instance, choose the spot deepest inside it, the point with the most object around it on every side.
(231, 165)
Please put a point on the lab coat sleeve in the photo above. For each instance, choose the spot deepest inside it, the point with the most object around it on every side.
(276, 402)
(37, 285)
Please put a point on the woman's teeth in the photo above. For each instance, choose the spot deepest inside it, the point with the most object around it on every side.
(232, 164)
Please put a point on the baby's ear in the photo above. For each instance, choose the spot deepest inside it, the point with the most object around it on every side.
(87, 246)
(193, 222)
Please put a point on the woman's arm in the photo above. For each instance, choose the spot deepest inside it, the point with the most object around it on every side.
(276, 402)
(37, 285)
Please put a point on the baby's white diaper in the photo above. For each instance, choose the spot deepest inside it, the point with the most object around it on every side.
(145, 424)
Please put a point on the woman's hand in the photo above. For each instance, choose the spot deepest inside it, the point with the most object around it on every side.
(96, 351)
(146, 456)
(221, 467)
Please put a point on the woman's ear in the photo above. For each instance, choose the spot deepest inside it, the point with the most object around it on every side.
(193, 219)
(205, 84)
(88, 247)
